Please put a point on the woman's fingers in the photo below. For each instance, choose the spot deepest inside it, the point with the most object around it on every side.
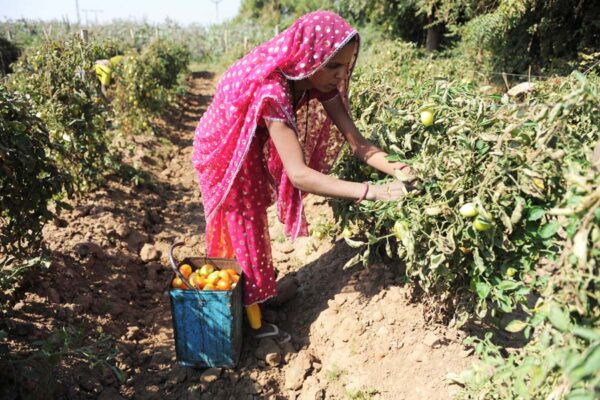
(392, 191)
(398, 189)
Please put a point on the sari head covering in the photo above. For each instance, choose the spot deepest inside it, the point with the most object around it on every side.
(226, 130)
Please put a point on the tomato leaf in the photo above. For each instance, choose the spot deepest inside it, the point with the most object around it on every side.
(588, 365)
(587, 333)
(355, 244)
(508, 285)
(436, 260)
(558, 317)
(549, 230)
(388, 249)
(353, 261)
(515, 326)
(483, 289)
(536, 213)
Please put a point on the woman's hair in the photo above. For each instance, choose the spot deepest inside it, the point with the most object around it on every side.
(352, 40)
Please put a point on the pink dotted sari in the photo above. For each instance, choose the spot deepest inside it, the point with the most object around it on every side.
(239, 170)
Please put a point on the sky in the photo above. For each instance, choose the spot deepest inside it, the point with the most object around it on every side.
(183, 11)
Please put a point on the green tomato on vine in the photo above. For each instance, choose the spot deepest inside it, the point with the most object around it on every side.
(400, 226)
(427, 117)
(482, 224)
(468, 210)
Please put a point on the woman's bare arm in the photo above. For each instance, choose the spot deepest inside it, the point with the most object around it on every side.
(311, 181)
(361, 148)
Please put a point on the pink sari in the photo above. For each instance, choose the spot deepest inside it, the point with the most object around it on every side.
(239, 170)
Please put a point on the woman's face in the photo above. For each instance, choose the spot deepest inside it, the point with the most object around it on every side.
(327, 78)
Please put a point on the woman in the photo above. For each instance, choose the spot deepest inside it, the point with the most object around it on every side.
(274, 129)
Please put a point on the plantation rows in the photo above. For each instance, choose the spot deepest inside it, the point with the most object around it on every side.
(61, 135)
(216, 44)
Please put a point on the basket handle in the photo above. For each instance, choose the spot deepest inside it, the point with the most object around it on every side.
(174, 265)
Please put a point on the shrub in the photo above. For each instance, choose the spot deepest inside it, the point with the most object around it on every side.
(29, 178)
(146, 82)
(59, 79)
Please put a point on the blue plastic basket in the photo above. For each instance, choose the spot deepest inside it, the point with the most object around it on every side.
(208, 324)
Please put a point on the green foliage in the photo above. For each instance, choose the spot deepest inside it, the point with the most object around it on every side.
(56, 128)
(541, 34)
(508, 35)
(29, 178)
(406, 19)
(145, 83)
(523, 162)
(204, 43)
(390, 17)
(463, 162)
(563, 357)
(58, 78)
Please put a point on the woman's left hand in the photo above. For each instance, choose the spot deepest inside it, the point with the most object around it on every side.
(404, 173)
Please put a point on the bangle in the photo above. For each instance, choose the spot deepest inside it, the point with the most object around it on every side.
(403, 166)
(364, 195)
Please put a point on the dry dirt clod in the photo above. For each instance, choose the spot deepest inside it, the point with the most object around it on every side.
(297, 369)
(149, 253)
(431, 340)
(210, 375)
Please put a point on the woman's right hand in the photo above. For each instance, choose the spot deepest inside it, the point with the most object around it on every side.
(390, 191)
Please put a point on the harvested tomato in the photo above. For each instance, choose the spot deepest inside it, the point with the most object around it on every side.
(213, 277)
(222, 284)
(185, 270)
(206, 269)
(197, 281)
(232, 272)
(224, 276)
(176, 283)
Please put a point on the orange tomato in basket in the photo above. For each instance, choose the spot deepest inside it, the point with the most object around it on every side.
(213, 278)
(209, 286)
(231, 272)
(224, 276)
(206, 269)
(197, 280)
(222, 284)
(235, 278)
(178, 283)
(185, 270)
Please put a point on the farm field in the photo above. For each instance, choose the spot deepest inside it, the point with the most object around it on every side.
(483, 284)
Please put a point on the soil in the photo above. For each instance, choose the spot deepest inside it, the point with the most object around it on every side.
(103, 301)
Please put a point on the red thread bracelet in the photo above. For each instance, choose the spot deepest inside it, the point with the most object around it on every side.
(364, 195)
